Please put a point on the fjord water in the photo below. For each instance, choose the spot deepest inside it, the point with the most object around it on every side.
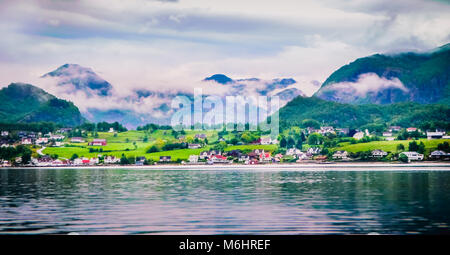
(121, 201)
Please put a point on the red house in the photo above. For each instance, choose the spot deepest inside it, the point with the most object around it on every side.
(98, 142)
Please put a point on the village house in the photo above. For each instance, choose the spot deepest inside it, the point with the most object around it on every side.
(244, 158)
(266, 140)
(379, 153)
(326, 130)
(77, 140)
(343, 131)
(394, 128)
(411, 129)
(193, 158)
(5, 133)
(412, 155)
(26, 141)
(98, 142)
(358, 135)
(313, 150)
(340, 155)
(140, 161)
(57, 137)
(387, 134)
(41, 140)
(111, 160)
(435, 135)
(63, 130)
(293, 152)
(194, 146)
(111, 130)
(265, 157)
(439, 155)
(5, 163)
(200, 136)
(218, 159)
(165, 158)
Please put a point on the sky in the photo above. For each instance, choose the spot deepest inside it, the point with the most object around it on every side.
(174, 44)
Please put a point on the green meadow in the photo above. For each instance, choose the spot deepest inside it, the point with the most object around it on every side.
(388, 145)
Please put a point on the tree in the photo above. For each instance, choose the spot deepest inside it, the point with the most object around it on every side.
(403, 158)
(153, 149)
(283, 142)
(74, 156)
(124, 160)
(413, 146)
(299, 144)
(290, 142)
(400, 147)
(421, 148)
(315, 139)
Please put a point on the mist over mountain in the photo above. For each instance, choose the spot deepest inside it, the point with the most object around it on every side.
(75, 77)
(385, 79)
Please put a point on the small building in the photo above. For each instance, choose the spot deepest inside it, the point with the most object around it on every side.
(395, 128)
(165, 158)
(200, 136)
(57, 137)
(435, 135)
(411, 129)
(379, 153)
(111, 160)
(98, 142)
(293, 152)
(140, 161)
(266, 140)
(218, 159)
(343, 131)
(412, 155)
(26, 141)
(42, 140)
(313, 150)
(358, 135)
(77, 140)
(439, 155)
(194, 146)
(265, 157)
(193, 158)
(5, 133)
(340, 155)
(387, 134)
(111, 130)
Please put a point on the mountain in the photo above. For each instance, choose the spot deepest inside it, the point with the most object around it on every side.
(405, 114)
(385, 79)
(219, 78)
(76, 78)
(258, 87)
(21, 102)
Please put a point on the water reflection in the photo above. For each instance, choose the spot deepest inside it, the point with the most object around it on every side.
(120, 201)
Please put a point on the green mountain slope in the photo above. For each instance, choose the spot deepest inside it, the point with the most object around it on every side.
(21, 102)
(356, 116)
(426, 77)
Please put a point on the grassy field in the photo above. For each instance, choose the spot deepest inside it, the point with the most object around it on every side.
(389, 145)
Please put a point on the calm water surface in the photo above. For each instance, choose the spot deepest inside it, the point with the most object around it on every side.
(120, 201)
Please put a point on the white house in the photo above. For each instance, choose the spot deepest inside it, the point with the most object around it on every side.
(5, 133)
(387, 134)
(77, 140)
(26, 141)
(194, 146)
(340, 155)
(193, 158)
(293, 151)
(412, 155)
(266, 140)
(379, 153)
(358, 135)
(42, 140)
(313, 150)
(111, 160)
(435, 135)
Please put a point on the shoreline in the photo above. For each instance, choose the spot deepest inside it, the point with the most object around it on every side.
(283, 166)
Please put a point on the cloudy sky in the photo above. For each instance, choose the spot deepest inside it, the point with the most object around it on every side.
(175, 44)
